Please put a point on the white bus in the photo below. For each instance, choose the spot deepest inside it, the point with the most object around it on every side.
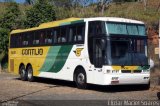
(100, 50)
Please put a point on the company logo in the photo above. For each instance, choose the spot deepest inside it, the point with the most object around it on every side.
(32, 51)
(78, 51)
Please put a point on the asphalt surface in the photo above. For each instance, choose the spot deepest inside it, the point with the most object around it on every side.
(58, 92)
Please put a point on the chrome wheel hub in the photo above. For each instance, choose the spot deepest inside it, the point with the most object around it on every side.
(29, 74)
(80, 78)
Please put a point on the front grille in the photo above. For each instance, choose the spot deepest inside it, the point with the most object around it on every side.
(126, 71)
(137, 71)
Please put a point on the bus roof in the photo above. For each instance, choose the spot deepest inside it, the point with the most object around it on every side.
(49, 25)
(75, 20)
(114, 19)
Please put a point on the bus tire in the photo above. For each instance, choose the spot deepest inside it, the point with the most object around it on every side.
(23, 73)
(30, 76)
(80, 78)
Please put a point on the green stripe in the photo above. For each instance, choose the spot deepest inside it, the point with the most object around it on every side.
(78, 21)
(51, 58)
(73, 22)
(56, 58)
(143, 67)
(65, 23)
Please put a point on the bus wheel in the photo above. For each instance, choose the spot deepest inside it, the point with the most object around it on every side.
(23, 73)
(81, 79)
(30, 74)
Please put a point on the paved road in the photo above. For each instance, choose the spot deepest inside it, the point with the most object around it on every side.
(12, 89)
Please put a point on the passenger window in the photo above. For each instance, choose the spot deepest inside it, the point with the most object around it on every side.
(80, 33)
(76, 33)
(72, 34)
(25, 39)
(18, 40)
(96, 28)
(48, 37)
(58, 35)
(63, 34)
(42, 35)
(55, 36)
(36, 40)
(13, 41)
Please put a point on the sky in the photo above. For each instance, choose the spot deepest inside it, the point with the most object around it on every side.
(20, 1)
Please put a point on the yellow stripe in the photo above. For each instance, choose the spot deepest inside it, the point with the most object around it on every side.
(46, 25)
(124, 68)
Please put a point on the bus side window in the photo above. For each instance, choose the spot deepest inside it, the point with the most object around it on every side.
(36, 38)
(80, 33)
(42, 37)
(12, 41)
(25, 41)
(72, 34)
(63, 37)
(48, 37)
(55, 36)
(58, 35)
(31, 38)
(91, 29)
(96, 28)
(19, 40)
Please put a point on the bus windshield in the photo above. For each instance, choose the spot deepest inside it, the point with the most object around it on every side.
(128, 52)
(125, 44)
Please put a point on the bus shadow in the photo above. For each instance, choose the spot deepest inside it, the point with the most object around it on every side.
(116, 88)
(99, 88)
(56, 82)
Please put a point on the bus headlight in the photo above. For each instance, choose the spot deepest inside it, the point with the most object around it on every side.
(111, 71)
(107, 71)
(115, 71)
(146, 70)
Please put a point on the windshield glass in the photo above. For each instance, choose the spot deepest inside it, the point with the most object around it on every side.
(120, 52)
(128, 52)
(115, 43)
(125, 28)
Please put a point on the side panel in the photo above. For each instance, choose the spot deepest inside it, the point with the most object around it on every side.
(63, 63)
(35, 56)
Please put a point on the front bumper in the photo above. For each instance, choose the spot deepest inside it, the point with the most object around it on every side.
(126, 79)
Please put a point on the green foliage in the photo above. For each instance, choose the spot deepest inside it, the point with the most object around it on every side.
(8, 21)
(4, 40)
(11, 18)
(41, 12)
(125, 0)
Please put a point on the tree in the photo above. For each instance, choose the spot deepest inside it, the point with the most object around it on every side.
(102, 4)
(8, 21)
(145, 5)
(124, 1)
(3, 45)
(11, 18)
(4, 40)
(41, 12)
